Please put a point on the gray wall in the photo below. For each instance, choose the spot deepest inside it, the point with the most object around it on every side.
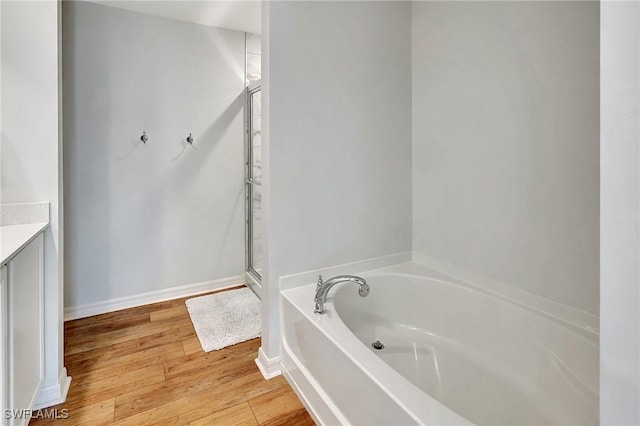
(148, 217)
(620, 221)
(338, 137)
(505, 142)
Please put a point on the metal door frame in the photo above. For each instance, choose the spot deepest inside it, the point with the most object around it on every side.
(249, 182)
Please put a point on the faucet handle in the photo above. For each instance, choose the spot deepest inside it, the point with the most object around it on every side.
(319, 281)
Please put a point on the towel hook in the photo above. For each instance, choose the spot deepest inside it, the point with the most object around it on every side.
(144, 138)
(190, 139)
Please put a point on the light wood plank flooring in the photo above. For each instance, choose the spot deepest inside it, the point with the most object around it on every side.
(145, 366)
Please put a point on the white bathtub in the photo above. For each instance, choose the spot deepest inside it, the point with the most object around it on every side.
(454, 354)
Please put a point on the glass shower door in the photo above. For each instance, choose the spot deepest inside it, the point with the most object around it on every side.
(253, 182)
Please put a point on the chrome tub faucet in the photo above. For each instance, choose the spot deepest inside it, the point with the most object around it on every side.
(323, 288)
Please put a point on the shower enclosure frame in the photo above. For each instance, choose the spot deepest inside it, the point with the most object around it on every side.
(250, 183)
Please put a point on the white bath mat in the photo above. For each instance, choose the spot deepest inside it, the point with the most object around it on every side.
(225, 318)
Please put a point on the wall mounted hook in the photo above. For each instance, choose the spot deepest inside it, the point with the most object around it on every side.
(144, 138)
(190, 139)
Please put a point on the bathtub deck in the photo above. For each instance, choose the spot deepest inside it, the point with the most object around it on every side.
(145, 366)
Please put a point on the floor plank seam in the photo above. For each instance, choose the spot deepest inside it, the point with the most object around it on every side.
(253, 412)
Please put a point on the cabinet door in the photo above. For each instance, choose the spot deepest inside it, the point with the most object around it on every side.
(4, 368)
(26, 327)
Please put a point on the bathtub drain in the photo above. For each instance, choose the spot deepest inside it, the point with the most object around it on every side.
(377, 345)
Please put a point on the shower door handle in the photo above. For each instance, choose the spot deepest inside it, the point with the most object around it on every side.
(252, 182)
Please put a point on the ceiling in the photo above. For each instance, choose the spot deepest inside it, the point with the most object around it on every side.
(240, 15)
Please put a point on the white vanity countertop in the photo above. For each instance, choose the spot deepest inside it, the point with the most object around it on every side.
(15, 237)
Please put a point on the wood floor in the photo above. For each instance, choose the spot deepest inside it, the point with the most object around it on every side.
(145, 366)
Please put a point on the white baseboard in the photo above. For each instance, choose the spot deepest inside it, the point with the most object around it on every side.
(269, 367)
(54, 393)
(90, 309)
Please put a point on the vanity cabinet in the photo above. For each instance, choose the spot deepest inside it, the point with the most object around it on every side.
(22, 344)
(4, 368)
